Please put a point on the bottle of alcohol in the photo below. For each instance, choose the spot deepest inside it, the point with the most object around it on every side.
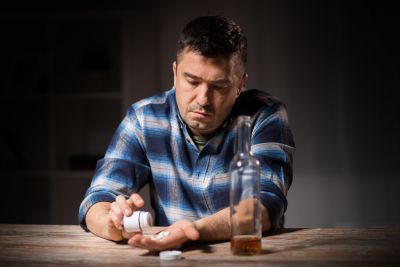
(245, 195)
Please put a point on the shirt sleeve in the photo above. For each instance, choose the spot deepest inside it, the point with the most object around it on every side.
(123, 171)
(273, 146)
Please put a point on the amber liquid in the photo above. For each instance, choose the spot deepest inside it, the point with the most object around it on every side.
(245, 245)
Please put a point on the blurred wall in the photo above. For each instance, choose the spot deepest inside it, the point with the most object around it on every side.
(336, 66)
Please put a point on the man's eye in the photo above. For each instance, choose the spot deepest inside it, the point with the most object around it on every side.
(193, 83)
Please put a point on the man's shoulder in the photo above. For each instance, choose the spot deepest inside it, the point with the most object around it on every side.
(251, 101)
(158, 104)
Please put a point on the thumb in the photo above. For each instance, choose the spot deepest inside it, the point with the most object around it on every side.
(191, 232)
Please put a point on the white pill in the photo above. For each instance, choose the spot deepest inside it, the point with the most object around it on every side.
(153, 238)
(160, 235)
(166, 233)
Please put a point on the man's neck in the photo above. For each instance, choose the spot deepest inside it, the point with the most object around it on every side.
(201, 141)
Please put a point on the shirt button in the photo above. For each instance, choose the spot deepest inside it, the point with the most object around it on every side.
(204, 208)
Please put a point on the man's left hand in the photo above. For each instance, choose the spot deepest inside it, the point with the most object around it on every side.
(179, 232)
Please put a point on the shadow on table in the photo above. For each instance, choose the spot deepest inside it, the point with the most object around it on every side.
(122, 242)
(206, 248)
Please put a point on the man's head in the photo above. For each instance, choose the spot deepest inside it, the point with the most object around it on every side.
(209, 72)
(214, 36)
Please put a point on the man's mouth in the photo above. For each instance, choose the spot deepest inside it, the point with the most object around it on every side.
(201, 114)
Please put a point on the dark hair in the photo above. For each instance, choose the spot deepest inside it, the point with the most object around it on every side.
(215, 36)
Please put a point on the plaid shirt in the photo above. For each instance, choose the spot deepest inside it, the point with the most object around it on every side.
(152, 146)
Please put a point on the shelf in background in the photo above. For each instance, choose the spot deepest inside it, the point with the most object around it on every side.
(25, 174)
(7, 97)
(89, 95)
(63, 96)
(74, 174)
(43, 174)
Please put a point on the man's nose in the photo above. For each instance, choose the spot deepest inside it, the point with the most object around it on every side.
(203, 96)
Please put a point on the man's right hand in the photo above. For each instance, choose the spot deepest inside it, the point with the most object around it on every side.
(105, 219)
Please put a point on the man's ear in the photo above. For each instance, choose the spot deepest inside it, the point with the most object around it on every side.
(174, 69)
(245, 76)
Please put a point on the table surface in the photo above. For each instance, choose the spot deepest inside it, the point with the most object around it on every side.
(69, 245)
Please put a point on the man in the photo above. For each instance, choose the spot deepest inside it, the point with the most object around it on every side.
(181, 142)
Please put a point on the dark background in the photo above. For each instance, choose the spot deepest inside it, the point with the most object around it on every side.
(69, 70)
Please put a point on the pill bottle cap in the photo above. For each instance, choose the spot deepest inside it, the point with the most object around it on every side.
(146, 221)
(170, 255)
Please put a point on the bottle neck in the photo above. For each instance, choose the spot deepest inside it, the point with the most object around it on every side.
(244, 135)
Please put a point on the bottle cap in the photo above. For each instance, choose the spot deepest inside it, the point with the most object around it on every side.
(170, 255)
(146, 221)
(139, 221)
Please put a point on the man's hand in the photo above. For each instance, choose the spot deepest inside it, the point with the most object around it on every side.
(215, 227)
(106, 219)
(179, 232)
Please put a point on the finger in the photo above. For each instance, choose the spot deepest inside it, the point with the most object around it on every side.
(153, 245)
(116, 222)
(137, 200)
(166, 242)
(147, 243)
(135, 239)
(192, 233)
(110, 222)
(118, 216)
(124, 206)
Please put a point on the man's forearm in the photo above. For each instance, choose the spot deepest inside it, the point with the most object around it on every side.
(217, 227)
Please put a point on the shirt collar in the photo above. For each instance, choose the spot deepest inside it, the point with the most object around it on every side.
(180, 120)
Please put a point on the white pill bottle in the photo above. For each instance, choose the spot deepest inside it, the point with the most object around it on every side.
(139, 221)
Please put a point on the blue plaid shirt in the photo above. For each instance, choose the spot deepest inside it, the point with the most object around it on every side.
(152, 146)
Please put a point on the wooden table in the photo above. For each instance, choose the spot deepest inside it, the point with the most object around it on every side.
(59, 245)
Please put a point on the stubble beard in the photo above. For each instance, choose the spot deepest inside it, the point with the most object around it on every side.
(200, 126)
(197, 123)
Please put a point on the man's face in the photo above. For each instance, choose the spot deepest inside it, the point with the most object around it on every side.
(206, 90)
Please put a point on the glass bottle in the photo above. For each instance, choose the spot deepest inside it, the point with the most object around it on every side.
(245, 195)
